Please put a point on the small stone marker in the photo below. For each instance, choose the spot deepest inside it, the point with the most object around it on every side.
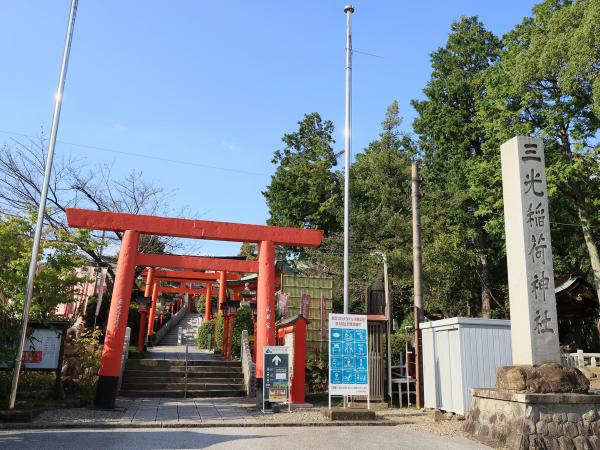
(534, 324)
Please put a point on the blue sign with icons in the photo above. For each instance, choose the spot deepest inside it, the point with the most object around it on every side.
(349, 363)
(360, 363)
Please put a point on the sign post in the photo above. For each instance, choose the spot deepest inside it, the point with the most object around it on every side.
(348, 356)
(276, 375)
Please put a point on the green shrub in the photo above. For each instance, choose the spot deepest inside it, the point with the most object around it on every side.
(398, 341)
(243, 321)
(82, 361)
(28, 382)
(316, 375)
(220, 322)
(205, 334)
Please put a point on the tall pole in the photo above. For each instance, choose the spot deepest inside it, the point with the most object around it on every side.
(347, 144)
(418, 282)
(388, 313)
(42, 208)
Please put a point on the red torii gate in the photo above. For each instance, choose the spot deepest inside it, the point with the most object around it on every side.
(190, 276)
(132, 225)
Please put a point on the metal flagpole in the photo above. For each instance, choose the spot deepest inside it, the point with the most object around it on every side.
(42, 208)
(347, 141)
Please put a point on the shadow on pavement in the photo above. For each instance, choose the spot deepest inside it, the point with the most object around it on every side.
(107, 439)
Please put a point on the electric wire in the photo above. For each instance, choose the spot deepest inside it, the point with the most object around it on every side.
(141, 155)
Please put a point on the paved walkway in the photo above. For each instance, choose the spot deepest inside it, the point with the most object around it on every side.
(196, 410)
(169, 349)
(399, 437)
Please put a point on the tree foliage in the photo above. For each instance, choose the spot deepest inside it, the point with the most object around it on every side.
(305, 191)
(540, 79)
(54, 282)
(461, 179)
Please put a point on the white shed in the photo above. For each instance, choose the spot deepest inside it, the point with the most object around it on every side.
(459, 354)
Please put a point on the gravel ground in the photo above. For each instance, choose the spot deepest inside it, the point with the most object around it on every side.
(411, 418)
(83, 415)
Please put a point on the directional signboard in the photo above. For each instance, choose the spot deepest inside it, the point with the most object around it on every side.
(348, 355)
(276, 374)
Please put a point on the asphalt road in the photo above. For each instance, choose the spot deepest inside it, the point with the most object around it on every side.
(232, 438)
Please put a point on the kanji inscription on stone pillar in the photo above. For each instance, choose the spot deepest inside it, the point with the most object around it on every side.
(534, 324)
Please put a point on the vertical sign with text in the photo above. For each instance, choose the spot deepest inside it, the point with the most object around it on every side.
(534, 324)
(276, 374)
(348, 355)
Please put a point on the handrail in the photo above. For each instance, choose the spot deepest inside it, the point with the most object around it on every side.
(124, 357)
(186, 372)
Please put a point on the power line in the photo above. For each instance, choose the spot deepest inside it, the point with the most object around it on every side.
(141, 155)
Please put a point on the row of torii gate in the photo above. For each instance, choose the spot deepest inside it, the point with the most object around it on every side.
(133, 225)
(188, 280)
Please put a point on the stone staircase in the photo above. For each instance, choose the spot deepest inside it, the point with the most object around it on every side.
(189, 325)
(213, 377)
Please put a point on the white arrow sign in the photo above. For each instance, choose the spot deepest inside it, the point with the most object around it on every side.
(277, 360)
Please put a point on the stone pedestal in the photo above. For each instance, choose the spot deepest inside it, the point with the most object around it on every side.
(527, 421)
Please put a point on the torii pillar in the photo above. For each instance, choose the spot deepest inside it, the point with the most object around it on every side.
(110, 368)
(207, 302)
(222, 290)
(265, 301)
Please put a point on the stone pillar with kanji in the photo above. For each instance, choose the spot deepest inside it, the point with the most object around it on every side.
(534, 323)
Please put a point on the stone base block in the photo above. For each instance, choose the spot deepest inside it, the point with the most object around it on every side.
(526, 421)
(543, 379)
(353, 414)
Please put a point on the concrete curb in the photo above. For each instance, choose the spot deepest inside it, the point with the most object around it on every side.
(107, 425)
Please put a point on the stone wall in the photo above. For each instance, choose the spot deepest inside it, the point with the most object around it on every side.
(535, 421)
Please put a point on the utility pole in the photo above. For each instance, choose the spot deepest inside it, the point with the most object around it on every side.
(388, 313)
(418, 282)
(348, 9)
(42, 208)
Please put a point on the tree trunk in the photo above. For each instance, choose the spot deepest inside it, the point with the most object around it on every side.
(592, 248)
(486, 291)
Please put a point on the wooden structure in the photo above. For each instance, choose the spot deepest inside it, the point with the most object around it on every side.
(133, 225)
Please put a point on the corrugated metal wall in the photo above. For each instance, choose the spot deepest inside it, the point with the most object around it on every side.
(460, 354)
(295, 286)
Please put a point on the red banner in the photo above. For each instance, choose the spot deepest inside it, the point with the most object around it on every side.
(305, 306)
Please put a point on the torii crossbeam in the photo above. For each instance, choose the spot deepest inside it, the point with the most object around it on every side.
(132, 225)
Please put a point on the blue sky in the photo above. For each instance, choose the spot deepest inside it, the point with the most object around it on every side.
(216, 84)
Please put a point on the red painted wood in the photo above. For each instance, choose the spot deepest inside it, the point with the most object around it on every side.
(149, 280)
(196, 262)
(110, 365)
(187, 228)
(207, 302)
(265, 302)
(152, 313)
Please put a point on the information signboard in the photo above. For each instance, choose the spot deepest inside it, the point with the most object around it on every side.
(348, 355)
(276, 381)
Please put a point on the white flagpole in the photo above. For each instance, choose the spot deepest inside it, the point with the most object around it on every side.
(347, 141)
(42, 208)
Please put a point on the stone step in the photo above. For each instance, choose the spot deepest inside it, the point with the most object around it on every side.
(146, 363)
(209, 380)
(191, 386)
(179, 394)
(205, 373)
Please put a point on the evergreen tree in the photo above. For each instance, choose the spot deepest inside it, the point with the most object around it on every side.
(547, 83)
(305, 191)
(459, 177)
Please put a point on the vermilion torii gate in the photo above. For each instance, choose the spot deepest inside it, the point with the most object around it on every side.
(189, 276)
(132, 225)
